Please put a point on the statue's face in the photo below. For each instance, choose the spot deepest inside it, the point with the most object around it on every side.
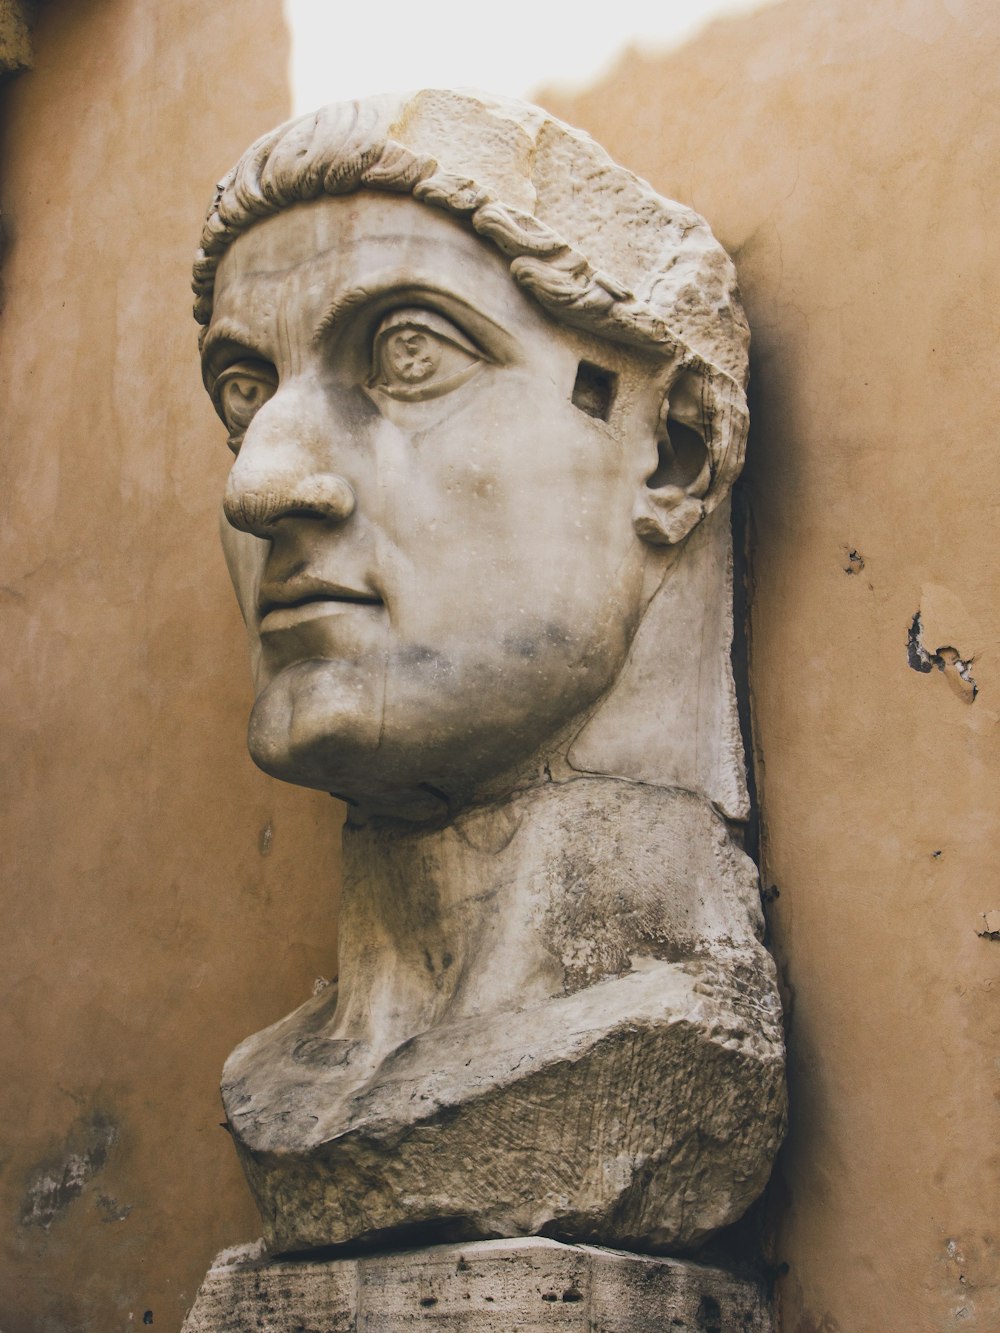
(431, 541)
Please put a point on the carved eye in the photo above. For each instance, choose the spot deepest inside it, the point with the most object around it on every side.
(418, 354)
(240, 392)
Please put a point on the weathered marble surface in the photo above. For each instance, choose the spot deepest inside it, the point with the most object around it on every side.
(485, 390)
(489, 1287)
(614, 1076)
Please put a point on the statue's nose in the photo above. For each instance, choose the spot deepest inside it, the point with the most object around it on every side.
(283, 468)
(256, 503)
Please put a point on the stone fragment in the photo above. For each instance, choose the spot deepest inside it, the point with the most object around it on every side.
(488, 1287)
(485, 390)
(15, 37)
(616, 1077)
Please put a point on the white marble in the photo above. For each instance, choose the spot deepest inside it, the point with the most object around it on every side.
(491, 1287)
(485, 393)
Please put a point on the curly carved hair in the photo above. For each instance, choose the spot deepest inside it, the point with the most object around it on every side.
(591, 242)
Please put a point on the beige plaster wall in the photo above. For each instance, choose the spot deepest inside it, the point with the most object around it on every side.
(847, 154)
(162, 898)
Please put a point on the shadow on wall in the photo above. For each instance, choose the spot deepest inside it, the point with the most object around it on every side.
(846, 156)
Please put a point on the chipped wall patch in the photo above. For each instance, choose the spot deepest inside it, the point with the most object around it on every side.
(957, 670)
(60, 1179)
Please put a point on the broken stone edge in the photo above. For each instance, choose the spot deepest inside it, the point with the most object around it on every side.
(489, 1286)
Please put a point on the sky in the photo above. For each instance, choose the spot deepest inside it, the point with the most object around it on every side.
(351, 48)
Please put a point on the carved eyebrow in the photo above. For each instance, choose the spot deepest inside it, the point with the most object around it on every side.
(222, 331)
(405, 288)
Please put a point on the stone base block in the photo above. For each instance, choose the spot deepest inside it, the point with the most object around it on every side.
(500, 1286)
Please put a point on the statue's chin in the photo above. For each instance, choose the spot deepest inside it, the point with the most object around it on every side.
(317, 724)
(430, 750)
(320, 724)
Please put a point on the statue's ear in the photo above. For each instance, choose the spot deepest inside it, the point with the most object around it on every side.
(672, 502)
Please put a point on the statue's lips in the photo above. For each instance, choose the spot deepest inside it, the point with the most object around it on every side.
(287, 611)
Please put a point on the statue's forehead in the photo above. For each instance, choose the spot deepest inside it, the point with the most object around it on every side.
(362, 229)
(312, 262)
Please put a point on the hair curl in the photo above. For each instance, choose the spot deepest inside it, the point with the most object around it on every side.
(686, 285)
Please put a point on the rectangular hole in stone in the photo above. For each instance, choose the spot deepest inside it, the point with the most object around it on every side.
(594, 390)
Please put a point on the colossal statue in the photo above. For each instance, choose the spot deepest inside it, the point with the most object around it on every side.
(485, 393)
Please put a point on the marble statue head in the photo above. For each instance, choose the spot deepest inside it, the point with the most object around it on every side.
(481, 384)
(485, 393)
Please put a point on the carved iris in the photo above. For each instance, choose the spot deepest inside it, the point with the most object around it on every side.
(418, 354)
(240, 392)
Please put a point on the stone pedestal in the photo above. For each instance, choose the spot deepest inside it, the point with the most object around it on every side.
(496, 1286)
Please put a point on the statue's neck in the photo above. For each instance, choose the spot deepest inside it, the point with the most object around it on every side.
(514, 902)
(432, 920)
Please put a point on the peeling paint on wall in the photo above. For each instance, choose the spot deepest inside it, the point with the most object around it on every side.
(60, 1179)
(957, 670)
(111, 1209)
(264, 841)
